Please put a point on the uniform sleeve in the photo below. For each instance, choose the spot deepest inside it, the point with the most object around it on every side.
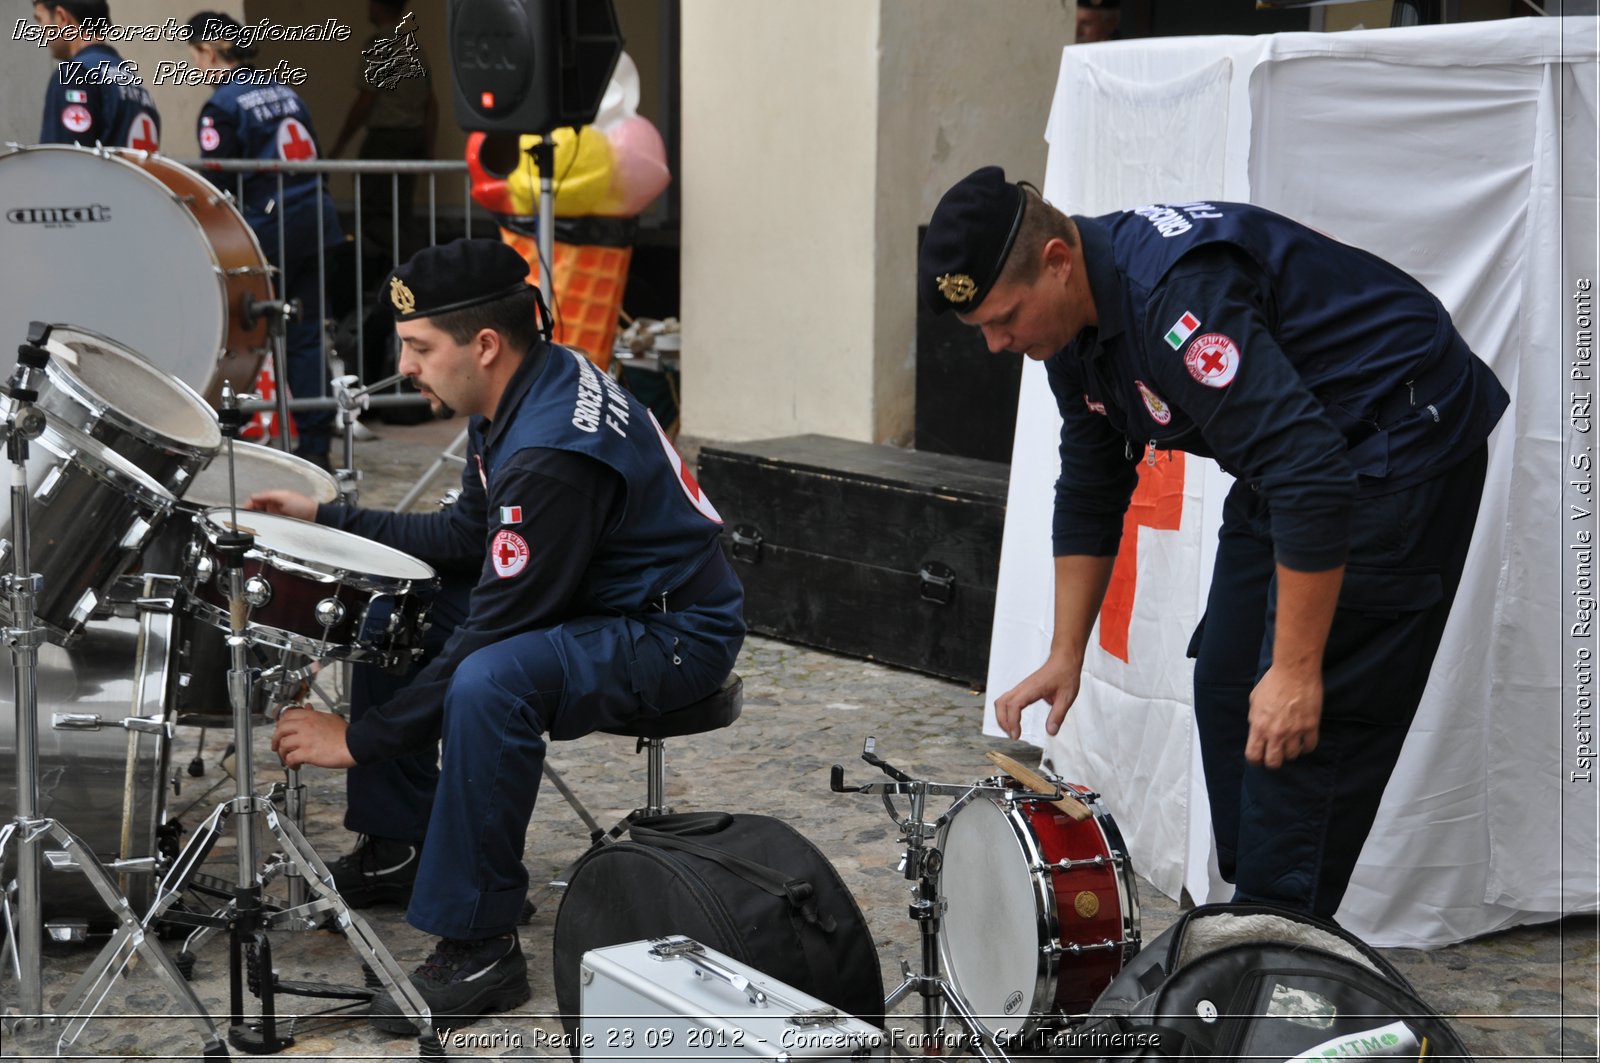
(1097, 474)
(1251, 406)
(551, 509)
(221, 142)
(86, 96)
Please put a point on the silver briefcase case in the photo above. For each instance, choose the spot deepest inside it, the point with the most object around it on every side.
(675, 999)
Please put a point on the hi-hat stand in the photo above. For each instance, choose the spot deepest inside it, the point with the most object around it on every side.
(25, 925)
(922, 864)
(247, 916)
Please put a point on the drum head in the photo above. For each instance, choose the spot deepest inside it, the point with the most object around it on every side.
(123, 385)
(101, 243)
(258, 468)
(325, 547)
(992, 936)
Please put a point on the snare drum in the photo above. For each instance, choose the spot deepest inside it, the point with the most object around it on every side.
(109, 393)
(314, 591)
(1041, 910)
(138, 247)
(90, 515)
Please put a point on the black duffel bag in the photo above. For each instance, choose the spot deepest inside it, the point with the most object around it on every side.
(1256, 982)
(750, 887)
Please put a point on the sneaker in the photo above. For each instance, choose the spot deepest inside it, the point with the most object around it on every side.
(377, 871)
(461, 983)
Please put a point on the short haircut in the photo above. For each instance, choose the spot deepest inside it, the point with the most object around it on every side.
(208, 27)
(82, 10)
(1040, 224)
(516, 317)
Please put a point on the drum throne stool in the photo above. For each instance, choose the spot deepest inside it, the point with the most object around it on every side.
(711, 713)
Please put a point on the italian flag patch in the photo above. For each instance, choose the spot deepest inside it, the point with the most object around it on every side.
(1182, 330)
(510, 514)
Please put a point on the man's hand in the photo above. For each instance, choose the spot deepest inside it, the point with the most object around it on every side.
(1285, 712)
(1056, 681)
(305, 736)
(288, 503)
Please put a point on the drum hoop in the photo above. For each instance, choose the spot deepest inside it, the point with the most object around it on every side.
(359, 579)
(1047, 924)
(291, 641)
(107, 466)
(103, 408)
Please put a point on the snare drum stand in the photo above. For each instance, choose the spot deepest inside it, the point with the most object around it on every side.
(922, 864)
(247, 917)
(25, 929)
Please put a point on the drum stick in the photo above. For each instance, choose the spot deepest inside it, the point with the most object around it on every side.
(1039, 784)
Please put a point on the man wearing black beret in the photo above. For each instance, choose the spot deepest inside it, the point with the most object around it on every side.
(1354, 418)
(602, 596)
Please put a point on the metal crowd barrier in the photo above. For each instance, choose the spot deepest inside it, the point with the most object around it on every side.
(432, 170)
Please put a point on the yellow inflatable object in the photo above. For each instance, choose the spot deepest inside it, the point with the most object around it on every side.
(582, 172)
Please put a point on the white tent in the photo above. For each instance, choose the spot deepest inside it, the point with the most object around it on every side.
(1466, 155)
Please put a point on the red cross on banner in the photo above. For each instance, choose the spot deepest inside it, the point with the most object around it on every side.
(1157, 503)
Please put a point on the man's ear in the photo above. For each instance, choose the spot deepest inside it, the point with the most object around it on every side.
(1058, 258)
(491, 346)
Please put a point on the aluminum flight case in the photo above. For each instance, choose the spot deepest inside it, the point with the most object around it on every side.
(674, 999)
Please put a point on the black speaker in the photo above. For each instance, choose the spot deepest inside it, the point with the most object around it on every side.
(530, 66)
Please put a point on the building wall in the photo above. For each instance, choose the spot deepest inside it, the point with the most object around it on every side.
(817, 135)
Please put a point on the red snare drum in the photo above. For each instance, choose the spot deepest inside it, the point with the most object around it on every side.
(1041, 910)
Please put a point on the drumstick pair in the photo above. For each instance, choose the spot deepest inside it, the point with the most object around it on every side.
(1039, 784)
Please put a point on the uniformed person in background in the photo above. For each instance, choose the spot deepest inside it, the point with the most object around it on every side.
(603, 596)
(250, 116)
(1099, 20)
(1354, 418)
(93, 97)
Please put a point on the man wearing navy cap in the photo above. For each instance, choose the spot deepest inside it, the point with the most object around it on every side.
(94, 97)
(602, 596)
(1336, 391)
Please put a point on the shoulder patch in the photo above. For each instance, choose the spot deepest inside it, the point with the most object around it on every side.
(509, 553)
(1181, 330)
(1212, 359)
(76, 117)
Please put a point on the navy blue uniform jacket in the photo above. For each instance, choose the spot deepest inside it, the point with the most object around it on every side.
(92, 99)
(1312, 371)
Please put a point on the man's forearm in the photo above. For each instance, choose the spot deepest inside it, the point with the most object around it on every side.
(1081, 582)
(1306, 602)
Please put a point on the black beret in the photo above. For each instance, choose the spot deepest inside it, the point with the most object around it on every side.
(455, 276)
(968, 239)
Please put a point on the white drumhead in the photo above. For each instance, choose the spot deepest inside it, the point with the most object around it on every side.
(315, 543)
(120, 380)
(258, 468)
(990, 938)
(95, 240)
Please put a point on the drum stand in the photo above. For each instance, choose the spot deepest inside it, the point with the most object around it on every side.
(921, 864)
(247, 916)
(25, 927)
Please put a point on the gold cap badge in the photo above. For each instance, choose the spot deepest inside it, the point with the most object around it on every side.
(957, 287)
(401, 296)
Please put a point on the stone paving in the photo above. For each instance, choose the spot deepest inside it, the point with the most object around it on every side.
(1524, 994)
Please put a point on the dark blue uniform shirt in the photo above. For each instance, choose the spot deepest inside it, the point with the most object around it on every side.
(1313, 371)
(572, 505)
(92, 99)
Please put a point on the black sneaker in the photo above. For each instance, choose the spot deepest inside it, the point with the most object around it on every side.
(378, 871)
(461, 982)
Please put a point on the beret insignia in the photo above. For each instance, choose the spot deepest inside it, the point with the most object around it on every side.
(957, 287)
(401, 296)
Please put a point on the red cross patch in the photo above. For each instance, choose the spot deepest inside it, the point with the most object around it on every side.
(509, 552)
(1212, 359)
(142, 134)
(210, 139)
(77, 118)
(294, 141)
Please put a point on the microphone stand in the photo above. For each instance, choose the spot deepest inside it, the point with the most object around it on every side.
(25, 929)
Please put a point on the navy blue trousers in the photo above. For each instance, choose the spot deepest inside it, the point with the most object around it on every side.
(567, 681)
(1291, 836)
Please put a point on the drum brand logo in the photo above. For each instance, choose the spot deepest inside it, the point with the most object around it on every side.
(58, 215)
(1013, 1002)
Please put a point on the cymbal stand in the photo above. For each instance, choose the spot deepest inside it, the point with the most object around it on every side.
(352, 402)
(25, 928)
(921, 864)
(247, 916)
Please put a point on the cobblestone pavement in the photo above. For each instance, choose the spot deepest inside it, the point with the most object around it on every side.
(804, 711)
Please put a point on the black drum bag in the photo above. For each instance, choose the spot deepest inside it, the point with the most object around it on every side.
(751, 887)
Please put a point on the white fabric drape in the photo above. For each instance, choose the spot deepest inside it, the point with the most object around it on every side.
(1465, 155)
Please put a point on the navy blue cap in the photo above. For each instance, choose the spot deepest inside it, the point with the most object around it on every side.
(968, 239)
(455, 276)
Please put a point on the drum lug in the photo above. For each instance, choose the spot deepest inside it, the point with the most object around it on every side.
(330, 612)
(257, 591)
(75, 721)
(137, 535)
(47, 486)
(1066, 864)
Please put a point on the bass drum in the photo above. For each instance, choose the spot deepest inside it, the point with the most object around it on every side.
(105, 782)
(137, 247)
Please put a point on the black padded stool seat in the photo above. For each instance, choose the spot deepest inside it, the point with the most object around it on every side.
(708, 714)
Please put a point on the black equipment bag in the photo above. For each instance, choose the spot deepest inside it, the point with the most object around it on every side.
(751, 887)
(1256, 982)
